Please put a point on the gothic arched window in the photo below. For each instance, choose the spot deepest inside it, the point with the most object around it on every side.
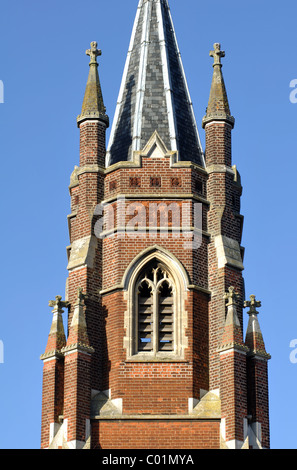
(155, 310)
(156, 318)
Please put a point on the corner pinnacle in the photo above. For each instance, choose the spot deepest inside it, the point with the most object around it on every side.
(232, 334)
(218, 105)
(93, 105)
(254, 339)
(56, 339)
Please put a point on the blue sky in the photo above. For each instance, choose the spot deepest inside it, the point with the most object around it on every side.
(44, 70)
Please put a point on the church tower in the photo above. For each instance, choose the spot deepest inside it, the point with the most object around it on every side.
(153, 353)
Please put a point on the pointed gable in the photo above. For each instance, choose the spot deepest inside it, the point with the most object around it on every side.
(154, 95)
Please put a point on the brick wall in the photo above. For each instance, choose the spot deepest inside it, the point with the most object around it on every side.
(161, 434)
(233, 393)
(92, 143)
(52, 396)
(218, 143)
(258, 399)
(77, 394)
(151, 387)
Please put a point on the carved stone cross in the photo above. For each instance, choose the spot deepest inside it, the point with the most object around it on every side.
(93, 53)
(58, 303)
(231, 296)
(80, 295)
(217, 54)
(252, 304)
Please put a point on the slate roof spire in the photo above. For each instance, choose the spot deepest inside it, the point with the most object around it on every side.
(154, 94)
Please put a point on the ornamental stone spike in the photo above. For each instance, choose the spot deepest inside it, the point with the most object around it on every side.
(78, 319)
(56, 338)
(231, 297)
(218, 105)
(78, 334)
(93, 104)
(254, 338)
(232, 331)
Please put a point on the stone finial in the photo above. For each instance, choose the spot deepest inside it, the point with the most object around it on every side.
(81, 297)
(218, 106)
(93, 105)
(254, 338)
(231, 296)
(58, 303)
(217, 54)
(252, 304)
(78, 332)
(93, 53)
(56, 338)
(232, 334)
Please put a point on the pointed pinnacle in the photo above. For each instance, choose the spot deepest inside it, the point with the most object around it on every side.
(218, 105)
(254, 338)
(93, 105)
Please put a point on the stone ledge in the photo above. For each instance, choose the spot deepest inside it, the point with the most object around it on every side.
(137, 417)
(160, 196)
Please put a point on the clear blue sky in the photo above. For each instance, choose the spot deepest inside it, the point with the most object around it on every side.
(44, 70)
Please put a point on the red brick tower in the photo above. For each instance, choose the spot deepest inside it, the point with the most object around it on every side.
(154, 358)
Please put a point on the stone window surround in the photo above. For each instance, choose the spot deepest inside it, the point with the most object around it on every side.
(181, 283)
(154, 285)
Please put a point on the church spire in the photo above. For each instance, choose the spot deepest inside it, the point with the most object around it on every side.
(93, 105)
(154, 94)
(218, 106)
